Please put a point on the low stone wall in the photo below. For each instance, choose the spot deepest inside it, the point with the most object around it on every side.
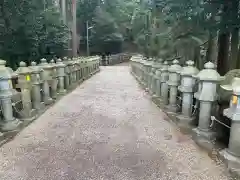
(199, 102)
(29, 91)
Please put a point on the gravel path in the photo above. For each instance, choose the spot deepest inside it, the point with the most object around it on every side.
(107, 129)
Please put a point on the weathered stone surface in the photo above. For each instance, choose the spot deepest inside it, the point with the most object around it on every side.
(105, 129)
(223, 94)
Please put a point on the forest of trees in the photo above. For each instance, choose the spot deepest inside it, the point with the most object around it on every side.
(201, 30)
(29, 30)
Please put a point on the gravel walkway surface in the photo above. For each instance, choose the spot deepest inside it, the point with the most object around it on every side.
(106, 129)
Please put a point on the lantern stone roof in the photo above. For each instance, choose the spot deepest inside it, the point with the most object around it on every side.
(23, 69)
(175, 67)
(189, 70)
(209, 73)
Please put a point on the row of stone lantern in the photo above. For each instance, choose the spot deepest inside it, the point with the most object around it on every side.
(39, 86)
(165, 81)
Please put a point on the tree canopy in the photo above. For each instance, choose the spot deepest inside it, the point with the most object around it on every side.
(201, 30)
(30, 30)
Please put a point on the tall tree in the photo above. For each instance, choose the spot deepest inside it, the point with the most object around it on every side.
(29, 31)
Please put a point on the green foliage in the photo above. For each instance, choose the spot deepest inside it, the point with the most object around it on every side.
(27, 32)
(165, 28)
(105, 30)
(111, 21)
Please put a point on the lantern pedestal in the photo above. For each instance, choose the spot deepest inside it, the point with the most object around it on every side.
(231, 155)
(205, 139)
(185, 121)
(171, 109)
(10, 125)
(232, 161)
(157, 101)
(27, 118)
(46, 94)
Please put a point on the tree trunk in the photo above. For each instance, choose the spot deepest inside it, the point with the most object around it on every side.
(209, 48)
(196, 57)
(234, 49)
(234, 35)
(223, 42)
(74, 29)
(238, 62)
(223, 49)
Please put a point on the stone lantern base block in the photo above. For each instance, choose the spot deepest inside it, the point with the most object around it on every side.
(49, 101)
(73, 86)
(55, 96)
(185, 122)
(171, 109)
(158, 101)
(27, 118)
(62, 92)
(232, 161)
(205, 139)
(10, 125)
(154, 96)
(41, 108)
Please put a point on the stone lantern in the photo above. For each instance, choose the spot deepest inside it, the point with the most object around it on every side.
(144, 71)
(158, 83)
(148, 66)
(61, 75)
(74, 71)
(164, 85)
(82, 70)
(173, 83)
(71, 69)
(98, 63)
(157, 87)
(36, 87)
(8, 123)
(54, 82)
(78, 69)
(134, 66)
(95, 65)
(24, 83)
(67, 72)
(151, 72)
(155, 66)
(209, 79)
(232, 153)
(187, 89)
(87, 68)
(91, 66)
(138, 61)
(46, 76)
(14, 76)
(141, 69)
